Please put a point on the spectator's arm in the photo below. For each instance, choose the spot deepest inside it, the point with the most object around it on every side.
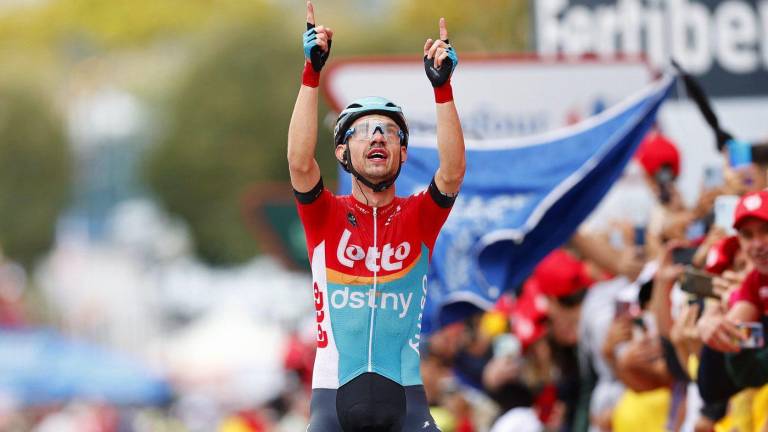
(667, 274)
(641, 366)
(619, 332)
(601, 252)
(743, 311)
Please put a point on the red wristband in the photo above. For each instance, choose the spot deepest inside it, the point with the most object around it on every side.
(309, 77)
(444, 93)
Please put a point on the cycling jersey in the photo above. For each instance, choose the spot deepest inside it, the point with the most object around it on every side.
(369, 272)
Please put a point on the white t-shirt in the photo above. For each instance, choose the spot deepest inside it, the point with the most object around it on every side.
(518, 420)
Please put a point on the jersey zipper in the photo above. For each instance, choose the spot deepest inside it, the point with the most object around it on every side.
(373, 294)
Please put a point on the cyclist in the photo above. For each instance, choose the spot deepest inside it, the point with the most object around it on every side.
(369, 251)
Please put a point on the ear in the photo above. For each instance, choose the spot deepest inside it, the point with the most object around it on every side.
(340, 153)
(403, 154)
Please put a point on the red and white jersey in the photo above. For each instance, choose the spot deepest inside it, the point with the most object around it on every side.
(369, 271)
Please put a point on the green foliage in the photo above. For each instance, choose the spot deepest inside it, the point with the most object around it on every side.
(35, 173)
(482, 27)
(228, 130)
(108, 23)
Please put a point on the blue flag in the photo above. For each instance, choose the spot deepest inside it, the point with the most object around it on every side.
(521, 198)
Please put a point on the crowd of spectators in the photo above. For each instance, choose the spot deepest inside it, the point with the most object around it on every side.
(628, 328)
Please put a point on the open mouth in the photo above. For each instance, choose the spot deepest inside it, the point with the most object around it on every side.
(377, 154)
(761, 255)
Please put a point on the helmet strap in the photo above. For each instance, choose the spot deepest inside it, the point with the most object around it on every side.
(376, 187)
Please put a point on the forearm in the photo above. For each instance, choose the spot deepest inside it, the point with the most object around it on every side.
(743, 311)
(596, 249)
(450, 146)
(302, 139)
(302, 131)
(661, 306)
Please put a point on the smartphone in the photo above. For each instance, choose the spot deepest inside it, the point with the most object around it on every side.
(683, 255)
(622, 308)
(696, 230)
(506, 345)
(753, 332)
(713, 177)
(639, 236)
(725, 206)
(697, 282)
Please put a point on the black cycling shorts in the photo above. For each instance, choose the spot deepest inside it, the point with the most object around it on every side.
(371, 403)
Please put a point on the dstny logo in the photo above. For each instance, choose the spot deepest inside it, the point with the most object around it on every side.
(358, 299)
(347, 254)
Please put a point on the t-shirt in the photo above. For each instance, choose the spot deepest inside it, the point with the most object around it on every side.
(646, 411)
(754, 289)
(369, 273)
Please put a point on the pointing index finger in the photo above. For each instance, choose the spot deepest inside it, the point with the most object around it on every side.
(310, 13)
(443, 30)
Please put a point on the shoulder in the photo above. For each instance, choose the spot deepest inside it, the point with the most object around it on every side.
(754, 280)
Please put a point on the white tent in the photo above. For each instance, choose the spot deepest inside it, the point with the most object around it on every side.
(228, 356)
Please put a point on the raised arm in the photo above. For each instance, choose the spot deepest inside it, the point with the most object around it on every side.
(302, 131)
(439, 61)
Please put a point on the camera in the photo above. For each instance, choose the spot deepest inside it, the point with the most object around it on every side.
(697, 282)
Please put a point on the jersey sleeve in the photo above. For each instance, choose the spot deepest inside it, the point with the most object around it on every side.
(434, 208)
(313, 208)
(748, 291)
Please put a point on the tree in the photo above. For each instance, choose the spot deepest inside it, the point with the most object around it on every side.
(35, 173)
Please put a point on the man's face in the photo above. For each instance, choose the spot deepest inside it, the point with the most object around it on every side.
(748, 178)
(374, 147)
(564, 321)
(753, 238)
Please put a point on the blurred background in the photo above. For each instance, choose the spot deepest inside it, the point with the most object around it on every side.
(139, 143)
(152, 276)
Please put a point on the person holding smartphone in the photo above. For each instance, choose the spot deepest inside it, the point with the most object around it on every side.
(734, 337)
(749, 302)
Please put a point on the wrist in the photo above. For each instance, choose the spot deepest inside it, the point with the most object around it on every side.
(444, 93)
(310, 77)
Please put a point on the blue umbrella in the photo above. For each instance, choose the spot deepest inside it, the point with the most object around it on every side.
(42, 367)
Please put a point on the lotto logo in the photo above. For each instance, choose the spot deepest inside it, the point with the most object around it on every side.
(374, 260)
(322, 335)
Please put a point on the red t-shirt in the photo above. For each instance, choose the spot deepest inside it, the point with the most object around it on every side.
(754, 289)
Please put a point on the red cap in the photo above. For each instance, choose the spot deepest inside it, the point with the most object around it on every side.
(528, 315)
(559, 275)
(655, 151)
(720, 256)
(753, 204)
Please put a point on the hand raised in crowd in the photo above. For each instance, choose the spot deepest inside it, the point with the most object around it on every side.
(706, 201)
(631, 259)
(739, 181)
(619, 331)
(684, 334)
(668, 272)
(500, 370)
(725, 283)
(641, 365)
(714, 235)
(717, 331)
